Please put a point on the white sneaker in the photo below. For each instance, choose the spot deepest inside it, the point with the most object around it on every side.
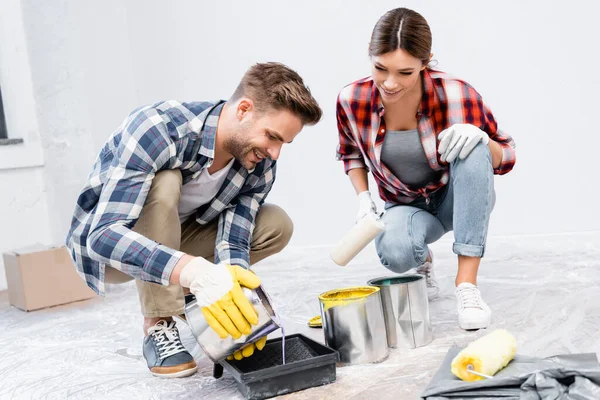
(433, 290)
(473, 313)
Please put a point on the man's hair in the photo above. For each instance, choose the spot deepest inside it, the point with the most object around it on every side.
(275, 86)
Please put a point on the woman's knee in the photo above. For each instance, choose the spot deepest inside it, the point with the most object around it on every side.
(479, 159)
(397, 255)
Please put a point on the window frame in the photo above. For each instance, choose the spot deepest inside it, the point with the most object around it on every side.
(3, 130)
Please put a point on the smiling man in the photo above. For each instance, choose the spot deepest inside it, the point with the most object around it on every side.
(175, 200)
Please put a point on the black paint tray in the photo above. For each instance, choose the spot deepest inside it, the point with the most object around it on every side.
(307, 364)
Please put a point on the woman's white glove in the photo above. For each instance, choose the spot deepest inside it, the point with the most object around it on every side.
(365, 205)
(459, 140)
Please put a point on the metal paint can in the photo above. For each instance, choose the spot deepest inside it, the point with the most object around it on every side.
(406, 310)
(354, 325)
(216, 348)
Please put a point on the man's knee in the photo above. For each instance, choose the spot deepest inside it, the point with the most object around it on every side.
(113, 275)
(275, 225)
(165, 191)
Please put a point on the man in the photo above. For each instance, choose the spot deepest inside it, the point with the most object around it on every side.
(175, 199)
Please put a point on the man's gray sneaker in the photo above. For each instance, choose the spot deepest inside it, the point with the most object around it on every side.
(165, 354)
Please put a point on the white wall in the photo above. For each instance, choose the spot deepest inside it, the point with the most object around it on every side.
(81, 89)
(92, 62)
(23, 210)
(532, 63)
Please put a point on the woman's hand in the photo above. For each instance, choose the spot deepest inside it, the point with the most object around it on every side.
(365, 205)
(459, 140)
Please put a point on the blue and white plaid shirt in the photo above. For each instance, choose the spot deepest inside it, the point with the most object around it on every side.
(164, 135)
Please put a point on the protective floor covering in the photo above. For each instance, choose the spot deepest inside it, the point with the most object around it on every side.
(544, 289)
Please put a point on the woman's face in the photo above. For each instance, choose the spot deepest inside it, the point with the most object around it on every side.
(396, 73)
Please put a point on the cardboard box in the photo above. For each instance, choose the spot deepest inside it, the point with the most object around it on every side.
(42, 276)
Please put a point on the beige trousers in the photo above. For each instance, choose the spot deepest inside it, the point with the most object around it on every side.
(159, 221)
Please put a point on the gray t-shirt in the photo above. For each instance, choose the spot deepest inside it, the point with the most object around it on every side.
(403, 154)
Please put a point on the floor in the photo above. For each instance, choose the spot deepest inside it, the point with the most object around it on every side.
(544, 289)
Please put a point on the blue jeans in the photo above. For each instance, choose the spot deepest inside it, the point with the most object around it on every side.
(463, 205)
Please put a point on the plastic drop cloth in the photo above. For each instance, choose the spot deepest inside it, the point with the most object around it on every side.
(561, 377)
(543, 289)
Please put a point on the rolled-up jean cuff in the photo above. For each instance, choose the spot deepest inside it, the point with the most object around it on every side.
(469, 250)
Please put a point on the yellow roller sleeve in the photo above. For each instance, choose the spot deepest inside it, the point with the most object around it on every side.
(486, 355)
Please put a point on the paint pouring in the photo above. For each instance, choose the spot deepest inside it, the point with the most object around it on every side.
(278, 321)
(308, 364)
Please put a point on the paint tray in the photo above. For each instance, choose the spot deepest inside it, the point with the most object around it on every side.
(261, 376)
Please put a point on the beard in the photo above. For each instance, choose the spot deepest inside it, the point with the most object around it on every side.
(239, 146)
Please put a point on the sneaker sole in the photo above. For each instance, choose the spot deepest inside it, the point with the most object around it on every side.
(473, 325)
(180, 374)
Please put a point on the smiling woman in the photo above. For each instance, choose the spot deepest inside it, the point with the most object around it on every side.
(432, 146)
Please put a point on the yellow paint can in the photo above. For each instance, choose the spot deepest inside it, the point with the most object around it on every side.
(345, 296)
(353, 324)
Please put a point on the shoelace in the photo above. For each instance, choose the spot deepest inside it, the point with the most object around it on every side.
(167, 339)
(425, 269)
(469, 297)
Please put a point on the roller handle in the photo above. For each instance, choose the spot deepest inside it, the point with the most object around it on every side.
(471, 370)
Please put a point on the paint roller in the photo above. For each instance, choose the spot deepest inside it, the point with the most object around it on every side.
(485, 356)
(361, 234)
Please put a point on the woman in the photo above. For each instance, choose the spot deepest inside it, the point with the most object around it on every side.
(433, 147)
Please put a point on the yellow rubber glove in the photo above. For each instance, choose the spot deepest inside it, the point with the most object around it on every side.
(218, 291)
(247, 351)
(233, 314)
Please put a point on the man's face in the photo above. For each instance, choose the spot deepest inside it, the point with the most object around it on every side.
(261, 135)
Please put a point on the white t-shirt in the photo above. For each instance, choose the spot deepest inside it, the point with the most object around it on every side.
(201, 190)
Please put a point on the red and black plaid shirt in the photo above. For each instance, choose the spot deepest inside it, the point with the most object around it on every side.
(446, 101)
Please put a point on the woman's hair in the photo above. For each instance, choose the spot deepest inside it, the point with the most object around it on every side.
(404, 29)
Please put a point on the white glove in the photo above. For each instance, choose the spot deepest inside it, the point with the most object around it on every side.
(459, 140)
(207, 281)
(365, 205)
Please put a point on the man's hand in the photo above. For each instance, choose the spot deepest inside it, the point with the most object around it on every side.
(459, 140)
(218, 291)
(247, 351)
(365, 205)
